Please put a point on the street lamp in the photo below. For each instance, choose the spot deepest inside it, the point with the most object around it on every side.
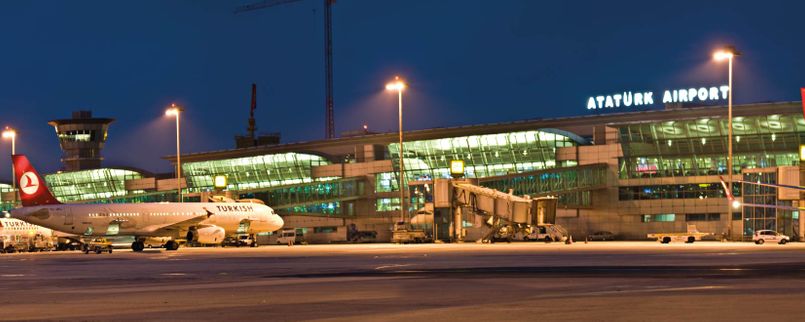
(9, 133)
(398, 85)
(728, 53)
(174, 110)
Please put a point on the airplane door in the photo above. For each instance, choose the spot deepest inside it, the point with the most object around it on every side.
(68, 217)
(244, 226)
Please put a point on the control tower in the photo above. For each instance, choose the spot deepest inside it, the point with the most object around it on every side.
(81, 139)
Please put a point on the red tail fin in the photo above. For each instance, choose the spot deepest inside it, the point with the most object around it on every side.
(727, 191)
(32, 188)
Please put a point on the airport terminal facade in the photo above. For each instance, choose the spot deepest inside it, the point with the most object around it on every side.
(630, 173)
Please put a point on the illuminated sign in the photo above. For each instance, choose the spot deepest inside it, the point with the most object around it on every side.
(220, 181)
(682, 95)
(457, 168)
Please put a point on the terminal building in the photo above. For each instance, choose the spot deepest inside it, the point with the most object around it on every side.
(629, 173)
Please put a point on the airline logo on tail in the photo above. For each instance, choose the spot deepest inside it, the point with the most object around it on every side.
(33, 191)
(29, 183)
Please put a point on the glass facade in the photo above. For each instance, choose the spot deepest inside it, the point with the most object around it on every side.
(6, 197)
(759, 218)
(484, 155)
(389, 204)
(675, 191)
(250, 173)
(326, 198)
(571, 185)
(699, 147)
(93, 184)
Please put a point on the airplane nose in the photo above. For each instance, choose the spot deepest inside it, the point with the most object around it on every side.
(278, 221)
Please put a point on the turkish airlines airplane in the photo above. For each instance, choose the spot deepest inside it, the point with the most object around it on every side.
(203, 222)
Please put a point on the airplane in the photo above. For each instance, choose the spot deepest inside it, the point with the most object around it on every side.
(202, 222)
(15, 231)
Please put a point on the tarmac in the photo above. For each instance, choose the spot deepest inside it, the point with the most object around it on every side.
(598, 281)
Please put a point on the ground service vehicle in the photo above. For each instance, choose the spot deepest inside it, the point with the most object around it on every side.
(689, 237)
(404, 233)
(762, 236)
(238, 241)
(546, 232)
(289, 236)
(97, 245)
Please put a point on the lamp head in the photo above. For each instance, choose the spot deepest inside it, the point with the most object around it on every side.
(396, 85)
(9, 133)
(173, 110)
(726, 53)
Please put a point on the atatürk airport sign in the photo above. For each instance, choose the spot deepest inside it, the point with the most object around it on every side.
(634, 99)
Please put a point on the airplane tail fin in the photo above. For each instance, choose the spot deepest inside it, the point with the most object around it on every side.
(32, 188)
(727, 191)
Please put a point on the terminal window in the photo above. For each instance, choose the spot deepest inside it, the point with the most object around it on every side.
(703, 217)
(77, 136)
(658, 218)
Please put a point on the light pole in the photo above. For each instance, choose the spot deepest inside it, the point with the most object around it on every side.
(729, 53)
(175, 111)
(9, 133)
(398, 85)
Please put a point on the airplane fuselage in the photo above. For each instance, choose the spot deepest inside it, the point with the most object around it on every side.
(149, 219)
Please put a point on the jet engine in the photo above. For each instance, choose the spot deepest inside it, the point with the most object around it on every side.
(206, 235)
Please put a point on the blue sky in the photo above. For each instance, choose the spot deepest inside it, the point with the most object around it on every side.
(467, 62)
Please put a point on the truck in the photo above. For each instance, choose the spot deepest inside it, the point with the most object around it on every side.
(97, 245)
(404, 233)
(689, 237)
(545, 232)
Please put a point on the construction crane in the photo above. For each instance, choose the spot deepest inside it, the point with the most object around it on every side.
(329, 126)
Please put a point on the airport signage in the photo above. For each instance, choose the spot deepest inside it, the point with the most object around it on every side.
(647, 98)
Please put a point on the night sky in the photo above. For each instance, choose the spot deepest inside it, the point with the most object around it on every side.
(467, 62)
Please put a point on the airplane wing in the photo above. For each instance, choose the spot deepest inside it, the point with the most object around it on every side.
(175, 228)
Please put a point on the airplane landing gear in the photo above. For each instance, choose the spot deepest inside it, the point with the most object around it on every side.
(171, 245)
(137, 246)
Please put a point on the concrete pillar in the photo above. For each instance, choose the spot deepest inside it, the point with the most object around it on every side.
(457, 225)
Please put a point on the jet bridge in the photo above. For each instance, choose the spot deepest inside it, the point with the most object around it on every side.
(460, 206)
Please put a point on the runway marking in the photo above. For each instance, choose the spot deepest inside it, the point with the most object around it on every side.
(174, 274)
(129, 288)
(393, 266)
(12, 275)
(654, 290)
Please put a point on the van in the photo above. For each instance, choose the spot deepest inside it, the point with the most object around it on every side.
(286, 236)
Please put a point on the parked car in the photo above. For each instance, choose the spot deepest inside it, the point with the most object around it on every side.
(762, 236)
(242, 240)
(601, 235)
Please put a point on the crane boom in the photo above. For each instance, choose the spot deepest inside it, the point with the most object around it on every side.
(262, 4)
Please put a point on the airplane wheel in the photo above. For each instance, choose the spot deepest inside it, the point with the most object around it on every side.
(171, 245)
(137, 246)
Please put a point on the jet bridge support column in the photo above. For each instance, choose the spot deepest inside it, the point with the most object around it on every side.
(458, 227)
